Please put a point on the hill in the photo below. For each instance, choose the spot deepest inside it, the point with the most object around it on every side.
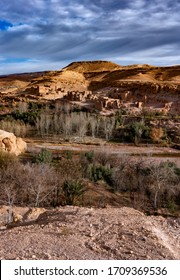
(90, 66)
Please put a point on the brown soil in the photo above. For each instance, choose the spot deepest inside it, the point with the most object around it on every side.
(88, 233)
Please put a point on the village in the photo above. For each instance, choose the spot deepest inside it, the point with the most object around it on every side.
(103, 100)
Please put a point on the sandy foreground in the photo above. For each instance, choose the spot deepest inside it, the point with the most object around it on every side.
(87, 233)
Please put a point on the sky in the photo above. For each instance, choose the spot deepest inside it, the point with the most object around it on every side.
(37, 35)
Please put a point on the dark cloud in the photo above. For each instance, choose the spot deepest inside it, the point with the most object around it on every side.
(51, 33)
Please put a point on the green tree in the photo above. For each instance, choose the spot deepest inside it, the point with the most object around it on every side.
(137, 130)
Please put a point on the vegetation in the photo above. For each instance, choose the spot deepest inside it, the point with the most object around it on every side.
(72, 123)
(49, 182)
(137, 131)
(89, 156)
(27, 117)
(156, 134)
(100, 172)
(72, 190)
(6, 159)
(44, 156)
(68, 154)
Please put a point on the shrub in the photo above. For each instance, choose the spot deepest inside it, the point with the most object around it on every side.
(19, 128)
(33, 106)
(129, 175)
(171, 166)
(137, 131)
(72, 190)
(103, 157)
(6, 159)
(39, 182)
(156, 133)
(100, 172)
(119, 121)
(151, 114)
(29, 184)
(171, 205)
(163, 183)
(68, 154)
(44, 156)
(90, 156)
(28, 117)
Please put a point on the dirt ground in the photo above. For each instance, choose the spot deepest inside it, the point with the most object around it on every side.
(77, 233)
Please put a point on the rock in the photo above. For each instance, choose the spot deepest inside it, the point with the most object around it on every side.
(17, 218)
(10, 143)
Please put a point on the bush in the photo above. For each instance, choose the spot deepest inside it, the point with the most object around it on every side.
(156, 133)
(171, 205)
(28, 117)
(33, 106)
(44, 156)
(103, 157)
(68, 154)
(137, 131)
(162, 183)
(101, 172)
(6, 159)
(28, 185)
(72, 190)
(119, 119)
(19, 128)
(151, 114)
(90, 156)
(171, 167)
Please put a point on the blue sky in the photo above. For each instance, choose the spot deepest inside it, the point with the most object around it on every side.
(40, 35)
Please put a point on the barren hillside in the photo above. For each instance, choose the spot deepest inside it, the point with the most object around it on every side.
(87, 233)
(92, 66)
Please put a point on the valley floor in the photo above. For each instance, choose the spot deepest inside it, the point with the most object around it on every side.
(151, 152)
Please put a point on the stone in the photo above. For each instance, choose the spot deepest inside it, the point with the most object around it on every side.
(11, 144)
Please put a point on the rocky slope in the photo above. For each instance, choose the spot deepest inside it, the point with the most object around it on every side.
(88, 233)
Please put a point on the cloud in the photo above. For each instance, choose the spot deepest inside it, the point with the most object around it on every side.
(52, 33)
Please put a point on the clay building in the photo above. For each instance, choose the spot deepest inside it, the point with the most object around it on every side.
(107, 103)
(79, 95)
